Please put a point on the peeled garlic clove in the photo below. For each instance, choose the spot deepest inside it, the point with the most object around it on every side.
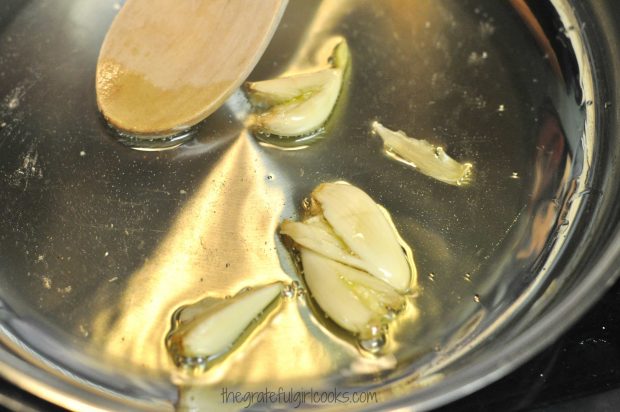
(315, 234)
(215, 331)
(305, 114)
(346, 295)
(285, 89)
(375, 293)
(361, 225)
(298, 86)
(406, 248)
(300, 104)
(428, 159)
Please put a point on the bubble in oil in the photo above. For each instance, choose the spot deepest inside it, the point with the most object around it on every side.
(391, 314)
(467, 277)
(372, 345)
(292, 290)
(373, 339)
(288, 292)
(477, 298)
(195, 364)
(13, 103)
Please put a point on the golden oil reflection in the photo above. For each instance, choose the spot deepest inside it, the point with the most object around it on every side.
(224, 239)
(221, 241)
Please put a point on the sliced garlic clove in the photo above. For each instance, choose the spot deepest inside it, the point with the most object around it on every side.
(428, 159)
(315, 234)
(361, 225)
(299, 105)
(213, 332)
(351, 298)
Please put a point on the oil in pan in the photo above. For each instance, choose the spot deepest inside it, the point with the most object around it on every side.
(101, 244)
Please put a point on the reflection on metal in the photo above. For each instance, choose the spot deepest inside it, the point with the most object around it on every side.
(537, 31)
(220, 240)
(551, 159)
(193, 210)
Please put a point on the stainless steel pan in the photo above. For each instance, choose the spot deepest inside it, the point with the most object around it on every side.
(100, 243)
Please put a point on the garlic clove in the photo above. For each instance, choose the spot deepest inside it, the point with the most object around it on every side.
(428, 159)
(214, 331)
(284, 89)
(315, 234)
(375, 293)
(360, 223)
(351, 298)
(406, 248)
(304, 114)
(300, 104)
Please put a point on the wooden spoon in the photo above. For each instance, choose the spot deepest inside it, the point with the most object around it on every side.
(167, 64)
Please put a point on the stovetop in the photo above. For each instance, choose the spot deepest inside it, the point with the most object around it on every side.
(580, 372)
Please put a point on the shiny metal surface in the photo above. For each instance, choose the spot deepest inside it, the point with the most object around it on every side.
(99, 244)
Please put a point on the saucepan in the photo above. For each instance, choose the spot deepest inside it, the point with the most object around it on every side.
(100, 243)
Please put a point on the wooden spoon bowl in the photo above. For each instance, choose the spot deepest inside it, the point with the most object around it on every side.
(165, 65)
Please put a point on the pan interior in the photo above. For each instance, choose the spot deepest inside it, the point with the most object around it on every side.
(99, 243)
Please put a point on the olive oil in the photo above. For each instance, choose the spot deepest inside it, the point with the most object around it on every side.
(460, 234)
